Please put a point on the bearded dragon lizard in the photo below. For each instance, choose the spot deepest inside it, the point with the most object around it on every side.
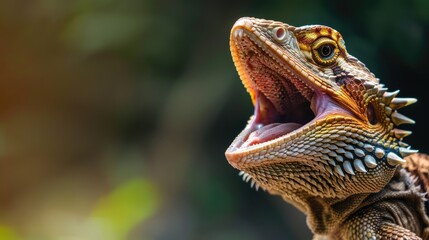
(324, 134)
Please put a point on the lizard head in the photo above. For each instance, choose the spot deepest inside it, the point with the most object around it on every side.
(323, 125)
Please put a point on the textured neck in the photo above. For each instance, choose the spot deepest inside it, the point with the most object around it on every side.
(325, 214)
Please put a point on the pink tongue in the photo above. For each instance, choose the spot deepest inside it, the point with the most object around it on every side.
(270, 131)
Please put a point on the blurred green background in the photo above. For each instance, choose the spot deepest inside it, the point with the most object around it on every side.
(115, 114)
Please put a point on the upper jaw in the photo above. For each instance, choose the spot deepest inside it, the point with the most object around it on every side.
(260, 32)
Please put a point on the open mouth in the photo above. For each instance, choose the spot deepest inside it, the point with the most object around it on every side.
(284, 100)
(269, 123)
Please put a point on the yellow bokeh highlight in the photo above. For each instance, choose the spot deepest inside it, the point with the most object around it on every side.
(126, 206)
(7, 233)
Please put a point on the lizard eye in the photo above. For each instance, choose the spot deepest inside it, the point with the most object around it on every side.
(279, 33)
(325, 51)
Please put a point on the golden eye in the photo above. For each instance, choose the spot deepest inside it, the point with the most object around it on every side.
(325, 51)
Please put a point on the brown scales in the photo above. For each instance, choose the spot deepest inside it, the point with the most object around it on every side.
(348, 169)
(418, 165)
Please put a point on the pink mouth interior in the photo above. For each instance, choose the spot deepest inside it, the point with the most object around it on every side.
(270, 132)
(269, 124)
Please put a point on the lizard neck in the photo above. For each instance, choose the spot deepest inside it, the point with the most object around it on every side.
(324, 215)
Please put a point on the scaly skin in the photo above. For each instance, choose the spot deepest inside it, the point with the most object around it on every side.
(324, 136)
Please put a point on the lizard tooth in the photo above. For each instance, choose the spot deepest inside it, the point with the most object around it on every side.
(339, 170)
(241, 33)
(348, 167)
(379, 153)
(370, 161)
(369, 147)
(399, 119)
(241, 173)
(394, 159)
(359, 152)
(237, 33)
(397, 103)
(399, 133)
(389, 96)
(359, 165)
(405, 151)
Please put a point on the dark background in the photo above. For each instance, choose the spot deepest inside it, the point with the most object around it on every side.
(115, 114)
